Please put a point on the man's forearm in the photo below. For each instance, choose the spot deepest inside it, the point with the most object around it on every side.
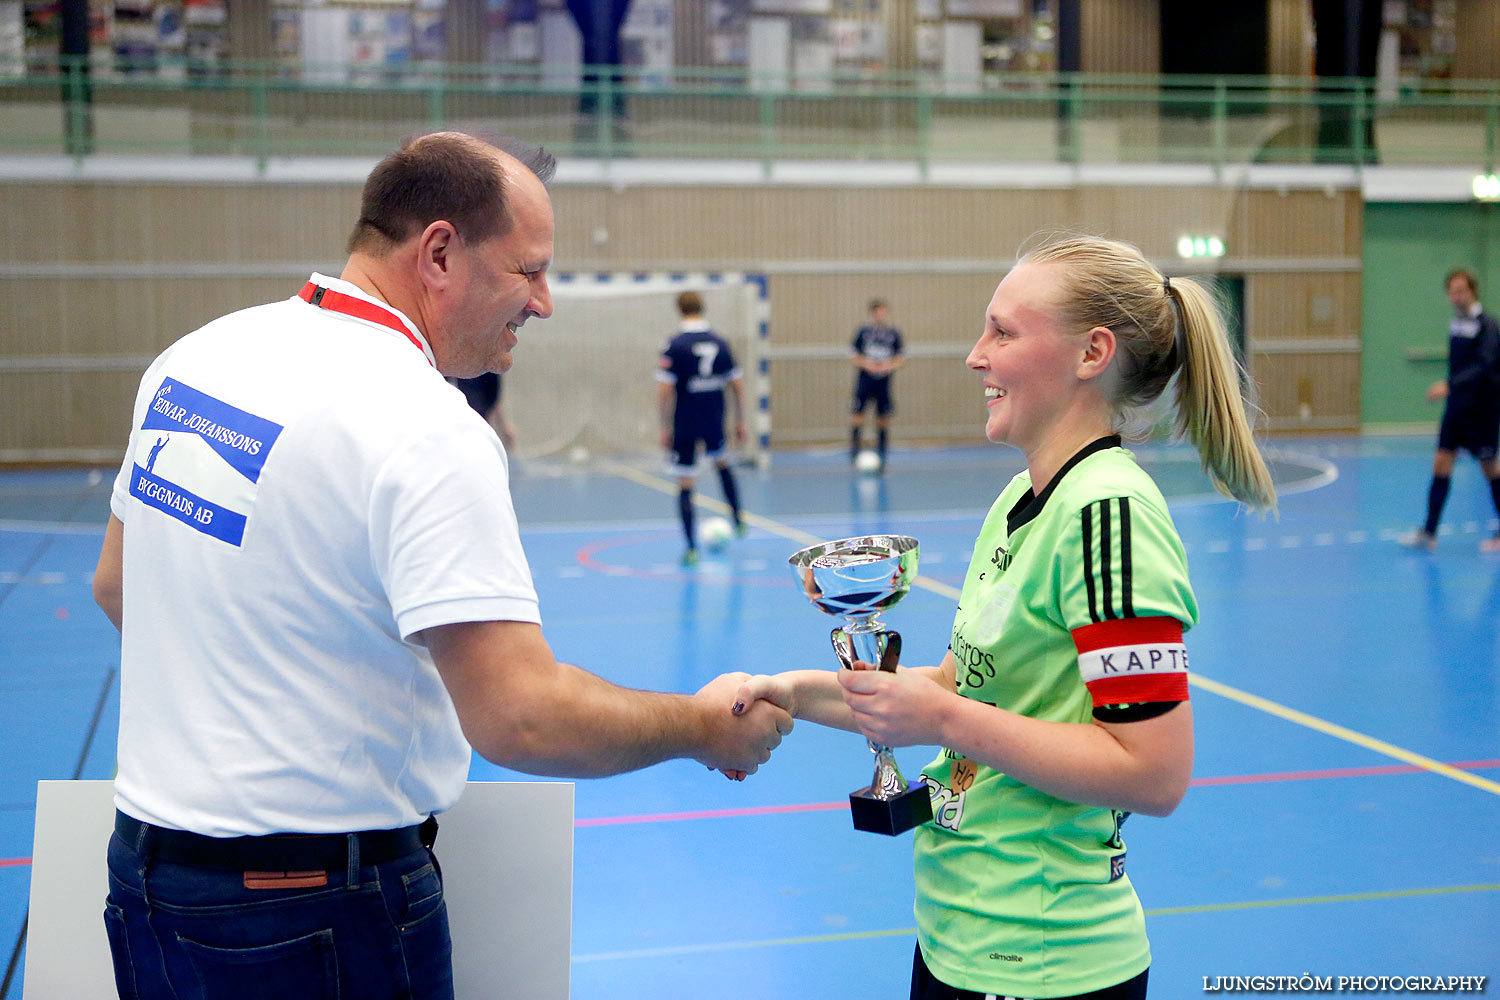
(581, 726)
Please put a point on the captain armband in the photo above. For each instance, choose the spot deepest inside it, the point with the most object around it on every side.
(1134, 668)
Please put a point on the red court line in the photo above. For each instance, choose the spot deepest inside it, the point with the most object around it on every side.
(1336, 772)
(1233, 779)
(14, 862)
(588, 557)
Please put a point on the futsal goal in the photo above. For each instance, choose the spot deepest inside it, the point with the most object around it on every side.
(584, 380)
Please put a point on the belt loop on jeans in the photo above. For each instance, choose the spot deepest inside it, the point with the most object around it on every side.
(142, 834)
(351, 876)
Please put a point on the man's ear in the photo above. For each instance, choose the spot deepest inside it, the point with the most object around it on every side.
(435, 253)
(1097, 353)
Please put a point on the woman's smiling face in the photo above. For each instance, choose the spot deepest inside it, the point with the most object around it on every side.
(1030, 367)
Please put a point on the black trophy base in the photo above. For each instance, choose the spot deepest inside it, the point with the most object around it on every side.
(891, 817)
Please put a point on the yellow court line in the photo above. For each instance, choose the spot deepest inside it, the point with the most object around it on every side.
(1160, 911)
(1343, 733)
(1208, 684)
(709, 503)
(1348, 897)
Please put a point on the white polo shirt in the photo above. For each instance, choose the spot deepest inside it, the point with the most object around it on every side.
(302, 494)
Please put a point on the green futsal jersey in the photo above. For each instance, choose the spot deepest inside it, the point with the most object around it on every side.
(1075, 599)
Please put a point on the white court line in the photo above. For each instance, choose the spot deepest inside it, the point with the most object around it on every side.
(51, 527)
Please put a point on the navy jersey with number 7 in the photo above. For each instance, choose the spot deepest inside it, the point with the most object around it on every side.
(699, 364)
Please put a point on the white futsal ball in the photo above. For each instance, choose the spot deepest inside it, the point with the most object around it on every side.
(867, 461)
(714, 533)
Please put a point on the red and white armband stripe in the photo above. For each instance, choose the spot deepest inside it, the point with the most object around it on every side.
(1126, 661)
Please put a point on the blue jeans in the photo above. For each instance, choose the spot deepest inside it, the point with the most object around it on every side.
(184, 932)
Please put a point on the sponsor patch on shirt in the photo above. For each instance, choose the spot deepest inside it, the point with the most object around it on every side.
(1130, 660)
(198, 460)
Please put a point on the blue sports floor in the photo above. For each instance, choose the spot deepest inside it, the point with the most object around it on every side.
(1345, 819)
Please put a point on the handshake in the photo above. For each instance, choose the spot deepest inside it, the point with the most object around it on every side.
(741, 728)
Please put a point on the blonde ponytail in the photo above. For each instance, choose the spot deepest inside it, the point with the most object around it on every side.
(1164, 327)
(1212, 409)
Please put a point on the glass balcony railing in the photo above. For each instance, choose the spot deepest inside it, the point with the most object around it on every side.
(267, 111)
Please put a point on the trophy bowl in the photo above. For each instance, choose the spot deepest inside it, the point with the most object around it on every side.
(857, 579)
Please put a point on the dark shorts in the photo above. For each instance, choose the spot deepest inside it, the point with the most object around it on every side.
(482, 391)
(1475, 429)
(685, 440)
(924, 986)
(866, 390)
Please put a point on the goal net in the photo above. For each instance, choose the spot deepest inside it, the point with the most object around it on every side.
(584, 380)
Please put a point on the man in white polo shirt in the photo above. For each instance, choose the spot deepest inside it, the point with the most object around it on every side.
(324, 604)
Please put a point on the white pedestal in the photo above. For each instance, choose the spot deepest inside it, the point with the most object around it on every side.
(507, 855)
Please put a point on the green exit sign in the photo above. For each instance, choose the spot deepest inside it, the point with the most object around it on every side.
(1200, 246)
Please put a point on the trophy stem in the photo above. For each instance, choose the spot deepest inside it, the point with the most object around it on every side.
(868, 638)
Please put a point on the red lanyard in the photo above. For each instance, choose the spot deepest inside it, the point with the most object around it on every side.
(349, 305)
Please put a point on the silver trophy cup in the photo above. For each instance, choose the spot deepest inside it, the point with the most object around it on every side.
(859, 578)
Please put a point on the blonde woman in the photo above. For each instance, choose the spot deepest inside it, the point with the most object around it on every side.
(1062, 703)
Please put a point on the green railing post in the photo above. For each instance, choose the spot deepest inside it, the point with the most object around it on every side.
(436, 99)
(924, 134)
(767, 130)
(1347, 110)
(604, 108)
(1074, 152)
(1491, 130)
(1220, 126)
(77, 107)
(260, 117)
(1358, 125)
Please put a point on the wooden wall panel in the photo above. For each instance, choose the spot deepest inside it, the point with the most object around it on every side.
(935, 399)
(1302, 331)
(1308, 391)
(1302, 306)
(90, 317)
(652, 226)
(901, 35)
(744, 226)
(122, 224)
(1478, 55)
(930, 310)
(1289, 27)
(690, 33)
(65, 411)
(1300, 225)
(1121, 36)
(1154, 218)
(125, 270)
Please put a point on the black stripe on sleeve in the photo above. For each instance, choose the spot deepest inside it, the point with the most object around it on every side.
(1088, 562)
(1106, 569)
(1138, 712)
(1127, 605)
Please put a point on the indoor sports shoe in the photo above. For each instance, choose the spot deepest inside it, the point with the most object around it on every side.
(690, 557)
(1418, 539)
(741, 529)
(1490, 544)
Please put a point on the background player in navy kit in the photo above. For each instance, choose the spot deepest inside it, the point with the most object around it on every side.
(1471, 417)
(695, 368)
(483, 393)
(877, 353)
